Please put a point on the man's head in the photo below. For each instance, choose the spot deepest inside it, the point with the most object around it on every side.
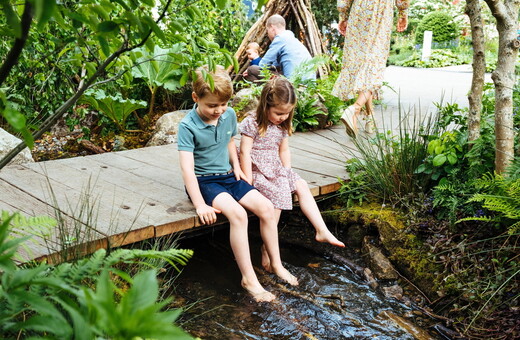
(275, 25)
(253, 50)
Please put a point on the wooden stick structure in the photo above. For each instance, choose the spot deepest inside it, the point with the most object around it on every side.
(299, 19)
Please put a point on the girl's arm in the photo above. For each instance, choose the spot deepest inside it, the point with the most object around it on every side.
(205, 212)
(246, 144)
(285, 153)
(233, 159)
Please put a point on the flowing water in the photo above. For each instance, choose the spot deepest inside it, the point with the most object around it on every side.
(331, 301)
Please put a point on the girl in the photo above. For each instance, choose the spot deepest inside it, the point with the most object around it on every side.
(266, 162)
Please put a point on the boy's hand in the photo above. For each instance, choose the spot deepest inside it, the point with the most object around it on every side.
(207, 214)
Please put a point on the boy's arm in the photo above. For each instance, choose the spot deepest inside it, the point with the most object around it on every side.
(206, 213)
(285, 153)
(246, 144)
(233, 159)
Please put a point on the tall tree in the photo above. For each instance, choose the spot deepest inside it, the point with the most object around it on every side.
(474, 12)
(506, 14)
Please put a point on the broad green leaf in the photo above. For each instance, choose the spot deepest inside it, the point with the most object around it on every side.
(14, 118)
(108, 26)
(262, 3)
(452, 158)
(221, 4)
(104, 45)
(154, 27)
(13, 21)
(100, 10)
(439, 160)
(44, 11)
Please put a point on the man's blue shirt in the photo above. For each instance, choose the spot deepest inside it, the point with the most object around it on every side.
(286, 52)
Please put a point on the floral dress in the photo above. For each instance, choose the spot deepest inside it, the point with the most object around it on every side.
(367, 45)
(270, 177)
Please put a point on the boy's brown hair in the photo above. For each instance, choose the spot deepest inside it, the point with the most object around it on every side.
(254, 46)
(222, 85)
(277, 91)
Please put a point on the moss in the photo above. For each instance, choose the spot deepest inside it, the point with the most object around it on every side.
(408, 253)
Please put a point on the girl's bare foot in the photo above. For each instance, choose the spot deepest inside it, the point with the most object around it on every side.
(326, 236)
(258, 293)
(284, 275)
(266, 261)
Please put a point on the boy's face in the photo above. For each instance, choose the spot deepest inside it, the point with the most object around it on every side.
(251, 53)
(210, 107)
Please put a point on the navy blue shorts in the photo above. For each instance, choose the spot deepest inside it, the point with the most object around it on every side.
(211, 186)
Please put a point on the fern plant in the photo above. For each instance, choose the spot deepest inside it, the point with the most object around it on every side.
(502, 198)
(90, 299)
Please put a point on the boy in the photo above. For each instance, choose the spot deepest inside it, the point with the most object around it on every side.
(253, 54)
(212, 176)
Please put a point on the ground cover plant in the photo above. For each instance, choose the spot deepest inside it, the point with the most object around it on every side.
(460, 214)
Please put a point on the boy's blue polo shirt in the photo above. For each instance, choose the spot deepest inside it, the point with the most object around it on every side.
(207, 142)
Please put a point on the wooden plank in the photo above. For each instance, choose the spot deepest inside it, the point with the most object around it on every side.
(70, 201)
(317, 164)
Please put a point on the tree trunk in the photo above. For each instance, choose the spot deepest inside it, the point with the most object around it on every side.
(473, 11)
(506, 14)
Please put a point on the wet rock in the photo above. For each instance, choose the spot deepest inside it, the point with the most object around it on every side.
(369, 277)
(379, 263)
(414, 330)
(166, 128)
(394, 291)
(9, 142)
(356, 233)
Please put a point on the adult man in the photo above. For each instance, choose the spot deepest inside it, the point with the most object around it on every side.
(285, 53)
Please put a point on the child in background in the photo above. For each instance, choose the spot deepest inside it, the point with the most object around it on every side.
(212, 176)
(266, 161)
(253, 54)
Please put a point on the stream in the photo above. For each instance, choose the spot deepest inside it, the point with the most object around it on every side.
(331, 301)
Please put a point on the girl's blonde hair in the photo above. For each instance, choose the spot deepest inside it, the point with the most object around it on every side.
(277, 91)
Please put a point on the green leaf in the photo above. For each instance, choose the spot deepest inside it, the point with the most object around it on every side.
(104, 45)
(221, 4)
(154, 27)
(14, 118)
(452, 159)
(439, 160)
(13, 21)
(107, 26)
(44, 10)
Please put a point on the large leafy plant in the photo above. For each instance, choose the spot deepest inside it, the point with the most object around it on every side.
(92, 298)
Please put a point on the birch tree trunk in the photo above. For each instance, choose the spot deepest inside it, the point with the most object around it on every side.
(506, 14)
(473, 10)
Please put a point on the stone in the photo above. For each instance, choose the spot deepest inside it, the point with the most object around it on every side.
(379, 263)
(394, 291)
(166, 128)
(9, 142)
(244, 103)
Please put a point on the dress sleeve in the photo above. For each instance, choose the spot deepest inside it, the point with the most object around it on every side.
(402, 5)
(344, 8)
(248, 127)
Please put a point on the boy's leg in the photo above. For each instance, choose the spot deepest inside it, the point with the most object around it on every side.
(263, 208)
(238, 238)
(312, 212)
(266, 261)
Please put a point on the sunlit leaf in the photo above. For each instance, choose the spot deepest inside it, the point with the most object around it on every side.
(44, 11)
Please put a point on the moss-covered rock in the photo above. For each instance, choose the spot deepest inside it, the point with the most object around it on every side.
(407, 252)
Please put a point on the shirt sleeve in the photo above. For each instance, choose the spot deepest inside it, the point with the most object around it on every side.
(344, 8)
(271, 56)
(248, 127)
(185, 139)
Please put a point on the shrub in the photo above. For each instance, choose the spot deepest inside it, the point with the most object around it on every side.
(441, 24)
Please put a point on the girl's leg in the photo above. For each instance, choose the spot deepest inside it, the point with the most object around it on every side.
(266, 261)
(259, 205)
(239, 241)
(312, 212)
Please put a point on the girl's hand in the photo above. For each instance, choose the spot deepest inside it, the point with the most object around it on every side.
(207, 214)
(342, 27)
(402, 22)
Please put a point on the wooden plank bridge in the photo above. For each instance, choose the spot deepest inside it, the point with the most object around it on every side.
(119, 198)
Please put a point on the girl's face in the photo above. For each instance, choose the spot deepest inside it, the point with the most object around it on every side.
(279, 113)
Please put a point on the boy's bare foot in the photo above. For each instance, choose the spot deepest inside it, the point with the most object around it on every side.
(266, 261)
(284, 275)
(327, 237)
(258, 293)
